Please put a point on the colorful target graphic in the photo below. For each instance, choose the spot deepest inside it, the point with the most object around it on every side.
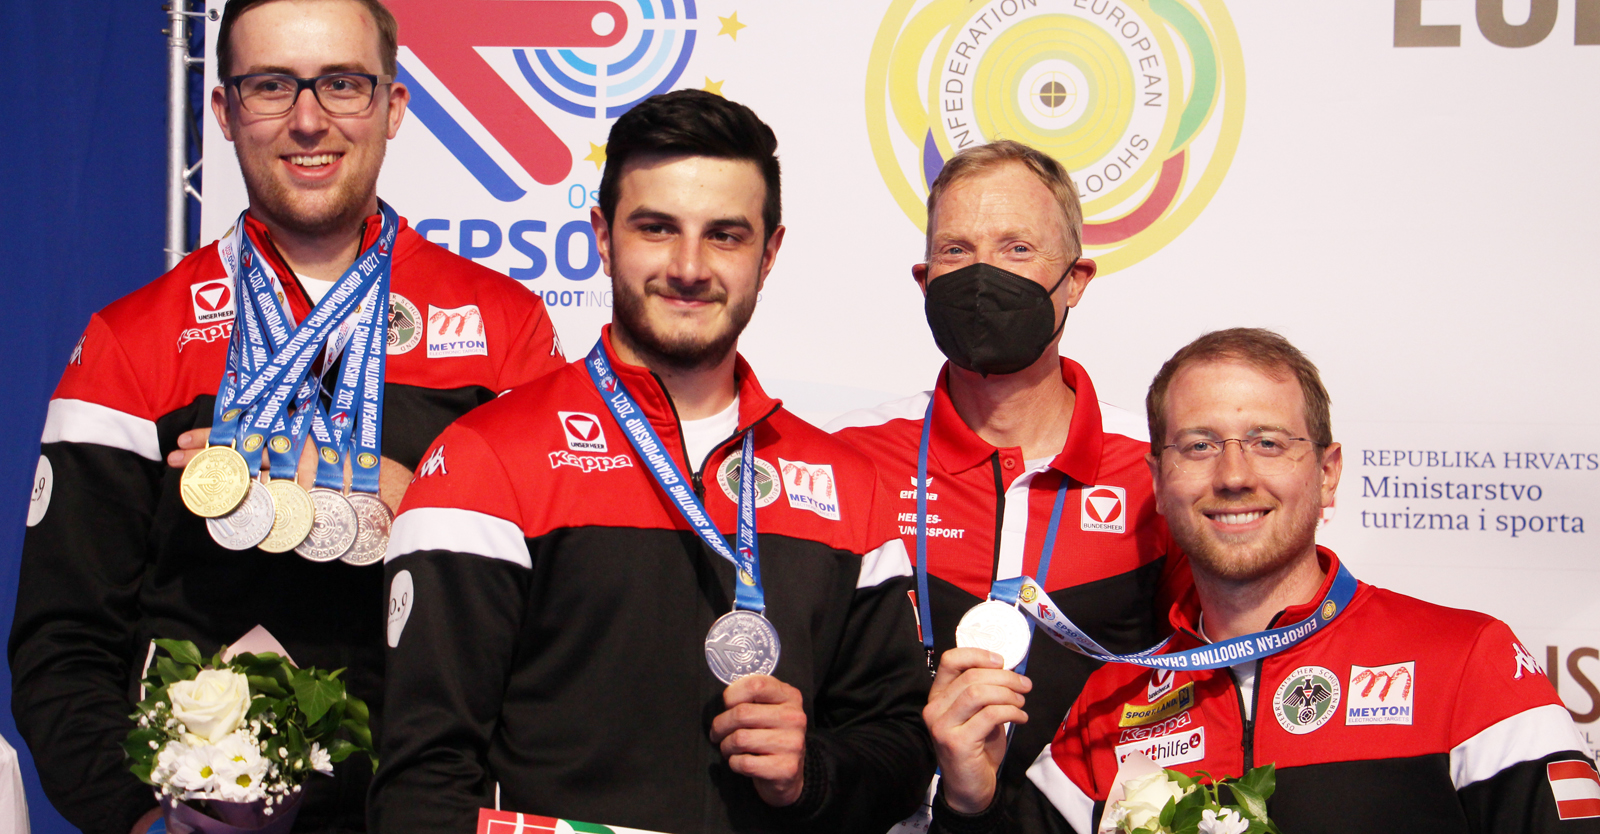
(605, 83)
(1142, 101)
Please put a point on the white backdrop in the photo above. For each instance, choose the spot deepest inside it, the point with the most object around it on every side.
(1416, 219)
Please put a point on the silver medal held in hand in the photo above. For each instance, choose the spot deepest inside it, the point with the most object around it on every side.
(740, 644)
(998, 627)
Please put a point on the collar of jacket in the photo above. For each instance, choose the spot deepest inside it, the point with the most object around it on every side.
(958, 448)
(299, 303)
(1185, 613)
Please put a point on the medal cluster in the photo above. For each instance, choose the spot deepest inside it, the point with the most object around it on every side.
(270, 402)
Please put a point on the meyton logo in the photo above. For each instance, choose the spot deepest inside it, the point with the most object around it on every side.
(1380, 694)
(1143, 103)
(213, 301)
(810, 486)
(1105, 509)
(583, 431)
(577, 60)
(457, 331)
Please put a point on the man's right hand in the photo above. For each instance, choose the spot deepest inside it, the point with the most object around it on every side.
(972, 700)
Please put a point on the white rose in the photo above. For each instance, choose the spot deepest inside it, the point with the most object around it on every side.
(212, 705)
(1146, 796)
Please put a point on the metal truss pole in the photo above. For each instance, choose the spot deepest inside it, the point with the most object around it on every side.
(178, 170)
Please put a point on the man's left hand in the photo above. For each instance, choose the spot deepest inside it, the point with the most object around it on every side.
(763, 736)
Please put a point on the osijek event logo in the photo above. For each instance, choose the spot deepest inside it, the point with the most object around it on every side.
(523, 102)
(1142, 101)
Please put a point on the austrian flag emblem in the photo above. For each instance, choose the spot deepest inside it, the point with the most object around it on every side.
(1576, 788)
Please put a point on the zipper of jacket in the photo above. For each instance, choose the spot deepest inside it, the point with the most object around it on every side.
(697, 479)
(1248, 741)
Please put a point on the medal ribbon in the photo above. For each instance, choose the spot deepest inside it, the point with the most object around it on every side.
(1001, 590)
(748, 594)
(1037, 604)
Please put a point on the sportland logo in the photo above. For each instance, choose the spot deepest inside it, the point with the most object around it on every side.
(1142, 101)
(578, 59)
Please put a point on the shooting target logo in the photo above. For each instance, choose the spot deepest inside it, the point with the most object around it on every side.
(1142, 101)
(592, 87)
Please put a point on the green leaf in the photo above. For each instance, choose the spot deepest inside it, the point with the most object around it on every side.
(142, 770)
(266, 686)
(182, 651)
(1184, 780)
(1262, 780)
(359, 732)
(1249, 801)
(315, 697)
(339, 749)
(357, 709)
(171, 672)
(1167, 811)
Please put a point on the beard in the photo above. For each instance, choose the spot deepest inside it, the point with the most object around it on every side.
(312, 213)
(1236, 563)
(685, 349)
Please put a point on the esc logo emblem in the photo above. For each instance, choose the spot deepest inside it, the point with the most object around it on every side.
(1306, 699)
(1141, 100)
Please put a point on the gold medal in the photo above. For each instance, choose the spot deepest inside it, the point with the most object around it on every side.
(215, 482)
(292, 517)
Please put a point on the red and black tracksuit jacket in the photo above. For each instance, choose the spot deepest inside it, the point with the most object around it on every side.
(117, 560)
(552, 643)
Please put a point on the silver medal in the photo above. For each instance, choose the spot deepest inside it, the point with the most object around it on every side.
(741, 643)
(249, 524)
(998, 627)
(373, 520)
(333, 529)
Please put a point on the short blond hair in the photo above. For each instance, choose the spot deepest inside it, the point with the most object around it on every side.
(981, 159)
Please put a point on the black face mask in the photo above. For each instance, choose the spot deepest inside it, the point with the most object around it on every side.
(990, 321)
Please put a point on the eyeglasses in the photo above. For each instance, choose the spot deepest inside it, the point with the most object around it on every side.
(1268, 453)
(274, 94)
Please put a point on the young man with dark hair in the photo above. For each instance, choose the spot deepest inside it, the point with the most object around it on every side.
(113, 558)
(588, 545)
(1380, 711)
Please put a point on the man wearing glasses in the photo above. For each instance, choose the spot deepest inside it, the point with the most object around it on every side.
(1380, 711)
(112, 557)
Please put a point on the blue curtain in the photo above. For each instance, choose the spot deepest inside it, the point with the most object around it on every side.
(82, 169)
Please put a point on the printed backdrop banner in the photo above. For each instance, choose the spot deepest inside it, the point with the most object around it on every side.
(1399, 187)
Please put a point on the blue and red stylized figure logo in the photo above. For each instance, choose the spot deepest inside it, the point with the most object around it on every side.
(556, 43)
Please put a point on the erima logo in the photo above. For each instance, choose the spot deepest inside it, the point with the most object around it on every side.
(434, 465)
(213, 301)
(583, 431)
(912, 492)
(1104, 509)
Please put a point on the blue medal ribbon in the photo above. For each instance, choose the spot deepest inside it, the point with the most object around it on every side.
(748, 594)
(1000, 590)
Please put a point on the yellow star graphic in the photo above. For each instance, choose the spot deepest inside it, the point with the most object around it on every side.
(597, 155)
(731, 25)
(713, 87)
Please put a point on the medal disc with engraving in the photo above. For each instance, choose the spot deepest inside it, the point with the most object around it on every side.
(293, 516)
(214, 482)
(333, 527)
(248, 524)
(998, 627)
(741, 643)
(373, 520)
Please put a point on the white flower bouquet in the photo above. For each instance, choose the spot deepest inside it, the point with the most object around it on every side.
(1168, 802)
(227, 744)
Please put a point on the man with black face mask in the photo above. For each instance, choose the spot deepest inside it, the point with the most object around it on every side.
(1022, 470)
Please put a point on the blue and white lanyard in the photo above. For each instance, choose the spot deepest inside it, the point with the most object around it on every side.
(1000, 590)
(748, 595)
(271, 363)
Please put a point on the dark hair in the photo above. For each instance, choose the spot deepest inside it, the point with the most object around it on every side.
(388, 33)
(1262, 349)
(692, 123)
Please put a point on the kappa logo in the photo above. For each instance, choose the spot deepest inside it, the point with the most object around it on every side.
(1380, 694)
(1171, 725)
(912, 492)
(205, 334)
(77, 351)
(434, 465)
(1306, 699)
(583, 431)
(1526, 662)
(1160, 684)
(457, 331)
(590, 463)
(810, 486)
(405, 324)
(1168, 750)
(1576, 789)
(1104, 509)
(767, 481)
(213, 301)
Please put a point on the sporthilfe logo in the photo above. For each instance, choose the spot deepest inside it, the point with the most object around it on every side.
(1143, 102)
